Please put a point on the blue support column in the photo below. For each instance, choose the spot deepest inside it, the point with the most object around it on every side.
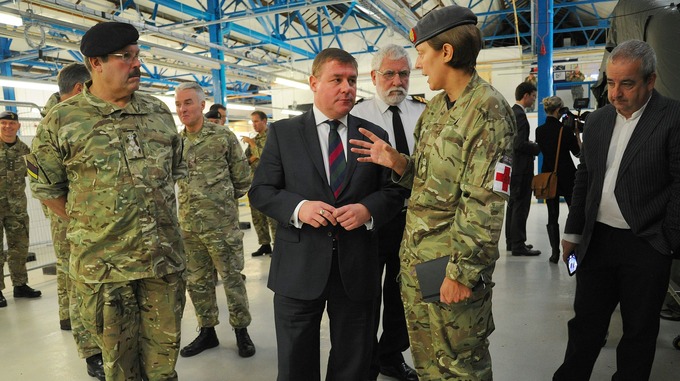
(217, 37)
(6, 70)
(544, 47)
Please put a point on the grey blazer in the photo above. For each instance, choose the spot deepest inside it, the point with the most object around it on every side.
(648, 183)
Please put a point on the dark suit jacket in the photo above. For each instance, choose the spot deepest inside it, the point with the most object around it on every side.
(291, 170)
(523, 150)
(648, 183)
(547, 136)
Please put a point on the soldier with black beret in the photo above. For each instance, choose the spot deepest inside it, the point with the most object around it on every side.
(460, 173)
(113, 177)
(13, 212)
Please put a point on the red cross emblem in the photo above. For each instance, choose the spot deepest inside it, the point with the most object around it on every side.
(504, 178)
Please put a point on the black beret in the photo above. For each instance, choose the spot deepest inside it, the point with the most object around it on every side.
(441, 20)
(108, 37)
(213, 114)
(8, 115)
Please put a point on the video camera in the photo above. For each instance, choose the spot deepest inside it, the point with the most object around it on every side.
(575, 122)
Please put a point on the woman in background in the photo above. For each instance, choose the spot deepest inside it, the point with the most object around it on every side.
(547, 137)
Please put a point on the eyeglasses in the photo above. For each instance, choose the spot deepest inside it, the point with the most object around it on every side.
(128, 57)
(389, 74)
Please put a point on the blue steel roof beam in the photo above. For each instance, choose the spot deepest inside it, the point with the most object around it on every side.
(177, 6)
(288, 24)
(265, 22)
(128, 3)
(28, 55)
(325, 34)
(282, 7)
(308, 33)
(400, 28)
(271, 40)
(331, 24)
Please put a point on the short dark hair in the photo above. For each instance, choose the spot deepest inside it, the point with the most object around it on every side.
(217, 107)
(466, 41)
(332, 54)
(524, 88)
(259, 113)
(71, 75)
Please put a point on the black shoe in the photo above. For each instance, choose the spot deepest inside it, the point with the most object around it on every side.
(529, 246)
(95, 367)
(3, 301)
(24, 291)
(264, 249)
(555, 257)
(246, 348)
(525, 251)
(669, 314)
(65, 324)
(400, 371)
(206, 339)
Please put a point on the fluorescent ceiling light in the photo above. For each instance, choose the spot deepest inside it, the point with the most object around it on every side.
(28, 84)
(6, 18)
(235, 106)
(289, 83)
(291, 112)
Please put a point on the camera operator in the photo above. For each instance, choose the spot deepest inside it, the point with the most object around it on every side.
(548, 138)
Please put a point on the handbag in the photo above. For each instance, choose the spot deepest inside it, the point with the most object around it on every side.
(544, 185)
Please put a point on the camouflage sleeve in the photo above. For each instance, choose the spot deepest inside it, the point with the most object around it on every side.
(239, 168)
(45, 168)
(478, 219)
(406, 178)
(179, 166)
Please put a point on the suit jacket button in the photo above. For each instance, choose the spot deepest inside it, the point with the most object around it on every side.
(330, 234)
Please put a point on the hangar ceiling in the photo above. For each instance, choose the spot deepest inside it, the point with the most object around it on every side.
(238, 48)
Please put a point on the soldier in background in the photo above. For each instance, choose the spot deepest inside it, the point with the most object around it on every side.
(214, 116)
(463, 140)
(106, 160)
(397, 113)
(223, 113)
(208, 215)
(262, 223)
(71, 80)
(13, 212)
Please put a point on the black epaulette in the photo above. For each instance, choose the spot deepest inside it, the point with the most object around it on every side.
(419, 99)
(359, 101)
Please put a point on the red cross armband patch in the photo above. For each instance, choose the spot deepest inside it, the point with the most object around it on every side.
(502, 175)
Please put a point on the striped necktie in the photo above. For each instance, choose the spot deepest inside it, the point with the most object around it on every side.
(336, 158)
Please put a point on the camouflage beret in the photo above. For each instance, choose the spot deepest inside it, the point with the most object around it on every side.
(107, 37)
(439, 21)
(213, 114)
(8, 115)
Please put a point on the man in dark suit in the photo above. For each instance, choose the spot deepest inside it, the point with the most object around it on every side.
(523, 152)
(328, 207)
(624, 220)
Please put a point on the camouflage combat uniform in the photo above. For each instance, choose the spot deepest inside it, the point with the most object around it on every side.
(13, 212)
(454, 212)
(208, 215)
(117, 168)
(261, 222)
(65, 294)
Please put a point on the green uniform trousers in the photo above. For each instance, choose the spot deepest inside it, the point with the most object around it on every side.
(221, 249)
(136, 324)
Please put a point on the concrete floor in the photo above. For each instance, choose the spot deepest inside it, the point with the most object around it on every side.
(532, 303)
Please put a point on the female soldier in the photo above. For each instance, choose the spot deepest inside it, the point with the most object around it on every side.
(459, 183)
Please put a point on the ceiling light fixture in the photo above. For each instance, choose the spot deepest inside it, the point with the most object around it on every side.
(9, 19)
(29, 85)
(290, 83)
(235, 106)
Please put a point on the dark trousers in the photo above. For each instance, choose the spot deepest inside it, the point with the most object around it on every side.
(617, 268)
(554, 208)
(297, 334)
(518, 210)
(394, 337)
